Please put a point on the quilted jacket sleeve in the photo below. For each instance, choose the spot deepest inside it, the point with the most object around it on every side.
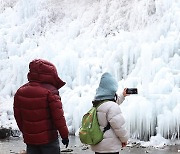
(117, 122)
(120, 99)
(58, 114)
(17, 112)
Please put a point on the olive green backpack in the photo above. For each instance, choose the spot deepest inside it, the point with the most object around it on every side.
(90, 132)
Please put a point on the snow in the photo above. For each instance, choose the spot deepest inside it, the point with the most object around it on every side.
(137, 41)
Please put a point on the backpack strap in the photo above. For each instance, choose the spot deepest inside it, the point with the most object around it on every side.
(107, 127)
(96, 106)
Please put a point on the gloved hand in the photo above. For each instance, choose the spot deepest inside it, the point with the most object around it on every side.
(124, 144)
(65, 142)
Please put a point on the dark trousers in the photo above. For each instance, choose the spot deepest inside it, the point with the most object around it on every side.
(50, 148)
(107, 153)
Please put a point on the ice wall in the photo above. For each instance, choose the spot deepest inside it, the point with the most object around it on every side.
(137, 41)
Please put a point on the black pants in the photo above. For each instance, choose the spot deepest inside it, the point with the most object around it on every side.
(50, 148)
(107, 153)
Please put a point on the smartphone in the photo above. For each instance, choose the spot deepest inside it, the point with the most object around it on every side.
(131, 91)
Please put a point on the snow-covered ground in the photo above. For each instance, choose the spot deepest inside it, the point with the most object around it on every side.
(138, 41)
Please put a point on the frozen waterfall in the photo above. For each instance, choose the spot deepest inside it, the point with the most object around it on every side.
(138, 41)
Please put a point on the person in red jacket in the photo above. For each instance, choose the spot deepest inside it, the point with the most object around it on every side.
(38, 109)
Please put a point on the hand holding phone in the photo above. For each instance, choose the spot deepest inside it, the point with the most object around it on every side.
(131, 91)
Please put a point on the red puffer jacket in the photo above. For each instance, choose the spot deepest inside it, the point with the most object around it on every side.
(37, 105)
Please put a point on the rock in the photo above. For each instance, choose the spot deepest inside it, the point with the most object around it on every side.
(85, 148)
(4, 133)
(15, 133)
(67, 150)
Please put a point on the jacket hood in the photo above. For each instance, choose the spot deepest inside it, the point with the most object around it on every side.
(44, 72)
(107, 87)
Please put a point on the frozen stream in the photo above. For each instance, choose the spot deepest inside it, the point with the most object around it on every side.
(15, 145)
